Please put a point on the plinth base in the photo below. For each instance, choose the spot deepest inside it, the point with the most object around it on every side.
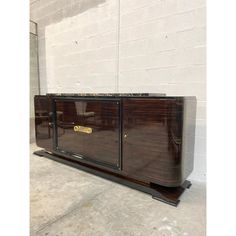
(169, 195)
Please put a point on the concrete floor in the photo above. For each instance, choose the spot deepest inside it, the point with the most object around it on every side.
(69, 202)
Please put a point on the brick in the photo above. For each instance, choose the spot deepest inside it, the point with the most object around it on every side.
(190, 56)
(162, 9)
(200, 17)
(189, 73)
(201, 110)
(101, 80)
(146, 30)
(133, 48)
(200, 146)
(134, 18)
(186, 5)
(200, 128)
(134, 77)
(130, 63)
(108, 25)
(109, 38)
(162, 42)
(191, 38)
(183, 21)
(199, 172)
(106, 53)
(160, 76)
(106, 66)
(162, 59)
(131, 5)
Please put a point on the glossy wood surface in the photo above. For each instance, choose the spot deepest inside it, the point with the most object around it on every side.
(102, 145)
(146, 139)
(152, 140)
(43, 122)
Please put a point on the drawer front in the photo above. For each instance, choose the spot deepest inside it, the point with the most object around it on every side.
(89, 130)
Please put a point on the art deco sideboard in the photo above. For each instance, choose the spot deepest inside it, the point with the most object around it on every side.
(145, 141)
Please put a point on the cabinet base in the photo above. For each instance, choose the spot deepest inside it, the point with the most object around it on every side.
(169, 195)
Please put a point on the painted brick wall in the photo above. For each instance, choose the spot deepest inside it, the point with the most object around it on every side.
(126, 46)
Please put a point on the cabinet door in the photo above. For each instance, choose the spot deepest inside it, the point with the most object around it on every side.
(89, 130)
(152, 140)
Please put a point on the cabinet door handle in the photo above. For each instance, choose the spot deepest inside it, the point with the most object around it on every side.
(125, 135)
(83, 129)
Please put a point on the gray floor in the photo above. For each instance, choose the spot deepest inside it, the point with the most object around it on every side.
(66, 201)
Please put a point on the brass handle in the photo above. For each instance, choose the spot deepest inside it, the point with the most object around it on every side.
(83, 129)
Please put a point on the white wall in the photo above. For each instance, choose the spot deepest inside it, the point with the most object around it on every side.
(34, 78)
(126, 46)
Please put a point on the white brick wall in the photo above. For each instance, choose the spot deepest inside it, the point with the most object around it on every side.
(126, 46)
(34, 80)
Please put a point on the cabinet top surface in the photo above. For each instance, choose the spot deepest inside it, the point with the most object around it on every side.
(114, 95)
(108, 94)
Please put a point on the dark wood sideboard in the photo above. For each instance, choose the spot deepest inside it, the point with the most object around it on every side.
(144, 141)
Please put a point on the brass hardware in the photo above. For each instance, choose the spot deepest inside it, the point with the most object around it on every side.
(125, 136)
(83, 129)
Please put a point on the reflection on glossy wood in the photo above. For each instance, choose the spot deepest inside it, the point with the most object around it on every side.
(102, 144)
(43, 122)
(146, 140)
(152, 148)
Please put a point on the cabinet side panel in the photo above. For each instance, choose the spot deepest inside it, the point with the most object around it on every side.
(43, 119)
(189, 123)
(152, 140)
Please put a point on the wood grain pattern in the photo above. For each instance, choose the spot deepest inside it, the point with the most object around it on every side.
(102, 145)
(43, 120)
(144, 139)
(152, 148)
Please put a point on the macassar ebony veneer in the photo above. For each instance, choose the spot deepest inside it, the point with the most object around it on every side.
(145, 141)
